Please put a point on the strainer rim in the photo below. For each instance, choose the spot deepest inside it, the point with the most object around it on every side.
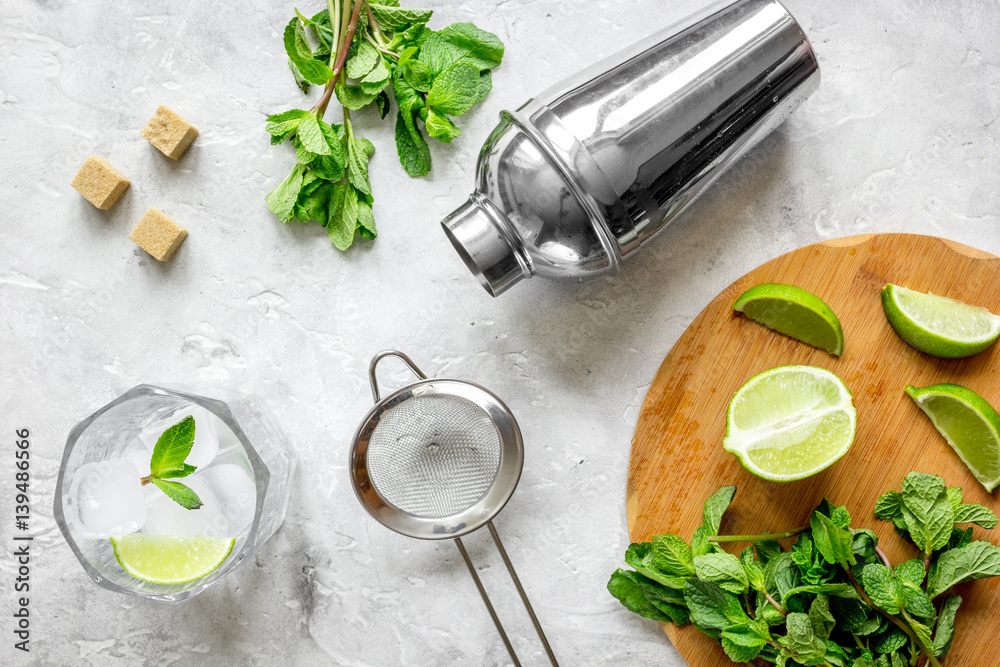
(476, 515)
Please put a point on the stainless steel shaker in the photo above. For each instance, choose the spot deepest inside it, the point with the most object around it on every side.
(580, 176)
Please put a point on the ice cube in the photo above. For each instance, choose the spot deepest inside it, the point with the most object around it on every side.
(139, 453)
(206, 440)
(109, 498)
(236, 494)
(164, 516)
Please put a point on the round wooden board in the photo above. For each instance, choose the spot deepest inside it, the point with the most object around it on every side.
(677, 459)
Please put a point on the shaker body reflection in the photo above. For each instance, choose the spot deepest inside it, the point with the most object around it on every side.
(581, 175)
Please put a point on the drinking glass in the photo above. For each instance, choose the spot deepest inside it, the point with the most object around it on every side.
(251, 455)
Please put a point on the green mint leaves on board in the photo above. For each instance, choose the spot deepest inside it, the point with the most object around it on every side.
(373, 52)
(168, 462)
(832, 598)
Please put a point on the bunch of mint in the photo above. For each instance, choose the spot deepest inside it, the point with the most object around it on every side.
(834, 599)
(369, 48)
(168, 462)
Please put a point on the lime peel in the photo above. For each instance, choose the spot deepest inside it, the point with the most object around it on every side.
(968, 423)
(937, 325)
(169, 559)
(795, 312)
(790, 422)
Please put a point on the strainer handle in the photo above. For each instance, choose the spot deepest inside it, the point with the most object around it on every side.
(382, 355)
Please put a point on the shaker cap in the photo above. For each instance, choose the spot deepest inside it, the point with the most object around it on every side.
(486, 246)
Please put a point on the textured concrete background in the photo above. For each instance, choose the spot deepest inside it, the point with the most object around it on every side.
(901, 136)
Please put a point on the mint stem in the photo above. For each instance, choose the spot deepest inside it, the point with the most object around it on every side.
(774, 603)
(902, 626)
(885, 559)
(764, 537)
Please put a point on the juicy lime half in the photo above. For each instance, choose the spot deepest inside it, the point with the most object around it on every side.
(937, 325)
(166, 559)
(969, 424)
(790, 422)
(794, 312)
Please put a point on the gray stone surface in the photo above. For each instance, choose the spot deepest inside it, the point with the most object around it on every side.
(901, 136)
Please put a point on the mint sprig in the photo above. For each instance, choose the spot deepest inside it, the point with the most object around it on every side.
(371, 47)
(167, 462)
(834, 598)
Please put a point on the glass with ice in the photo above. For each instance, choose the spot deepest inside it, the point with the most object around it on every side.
(131, 532)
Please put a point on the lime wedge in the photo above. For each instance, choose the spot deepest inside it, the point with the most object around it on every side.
(790, 422)
(937, 325)
(166, 559)
(969, 424)
(794, 312)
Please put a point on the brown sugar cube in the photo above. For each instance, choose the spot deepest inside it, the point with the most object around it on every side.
(158, 235)
(169, 132)
(99, 182)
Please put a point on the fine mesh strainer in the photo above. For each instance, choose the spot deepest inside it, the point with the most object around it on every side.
(438, 459)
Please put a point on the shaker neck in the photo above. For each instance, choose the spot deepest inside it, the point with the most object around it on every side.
(482, 237)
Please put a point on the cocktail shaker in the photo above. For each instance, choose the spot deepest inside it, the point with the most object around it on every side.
(580, 176)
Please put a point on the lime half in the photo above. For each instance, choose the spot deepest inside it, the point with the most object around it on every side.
(166, 559)
(794, 312)
(969, 424)
(937, 325)
(790, 422)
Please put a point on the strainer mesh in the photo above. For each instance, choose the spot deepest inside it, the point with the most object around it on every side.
(434, 455)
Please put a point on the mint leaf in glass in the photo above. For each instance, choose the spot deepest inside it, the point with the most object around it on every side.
(171, 449)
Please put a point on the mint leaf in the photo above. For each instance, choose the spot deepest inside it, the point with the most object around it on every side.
(715, 507)
(176, 472)
(832, 541)
(640, 557)
(672, 555)
(821, 618)
(626, 589)
(917, 602)
(883, 588)
(945, 631)
(415, 73)
(840, 590)
(801, 640)
(711, 607)
(301, 54)
(366, 221)
(889, 506)
(977, 514)
(362, 61)
(454, 90)
(888, 641)
(462, 42)
(172, 447)
(781, 575)
(441, 127)
(344, 222)
(753, 570)
(311, 135)
(393, 18)
(743, 643)
(411, 146)
(724, 569)
(282, 199)
(927, 510)
(179, 493)
(281, 125)
(978, 560)
(911, 572)
(359, 152)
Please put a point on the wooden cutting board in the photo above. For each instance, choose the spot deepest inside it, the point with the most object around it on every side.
(677, 459)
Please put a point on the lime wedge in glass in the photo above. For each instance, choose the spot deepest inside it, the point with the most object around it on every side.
(969, 424)
(794, 312)
(790, 422)
(166, 559)
(937, 325)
